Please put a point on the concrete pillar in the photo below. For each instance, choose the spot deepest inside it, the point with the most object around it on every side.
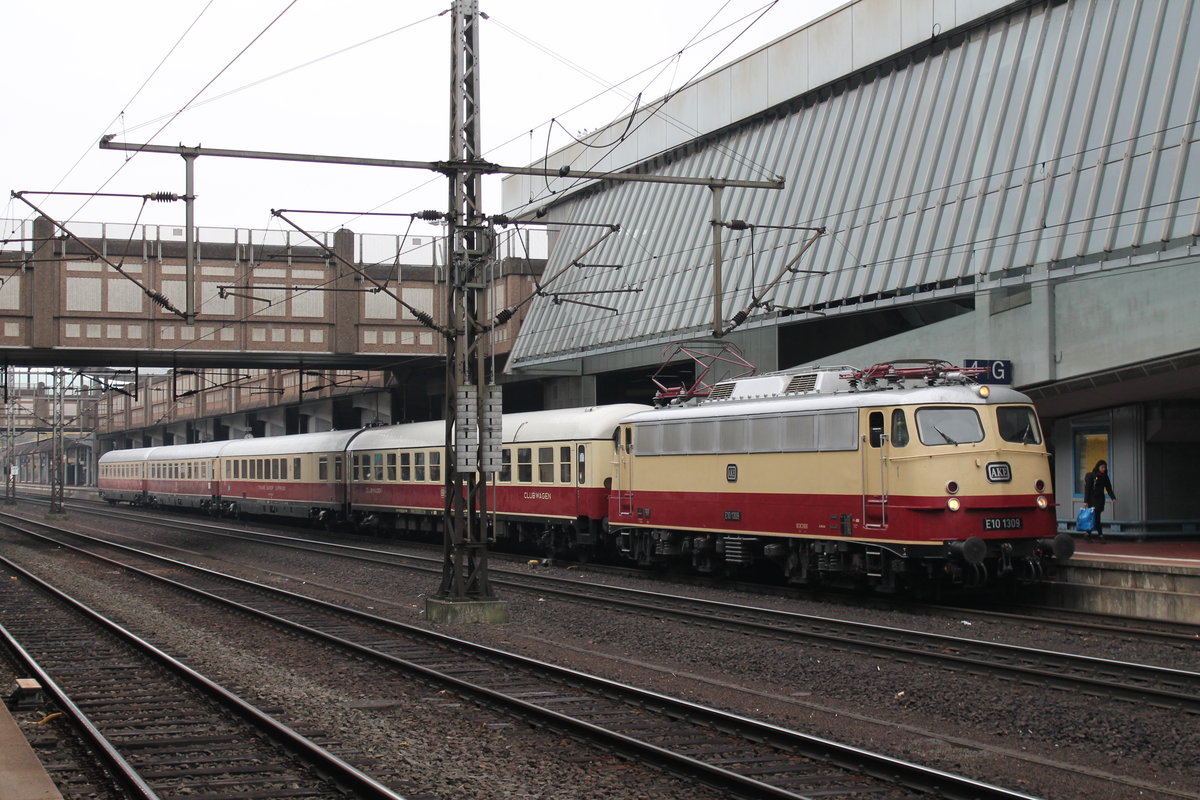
(46, 286)
(345, 302)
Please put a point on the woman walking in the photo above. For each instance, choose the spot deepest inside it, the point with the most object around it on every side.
(1095, 485)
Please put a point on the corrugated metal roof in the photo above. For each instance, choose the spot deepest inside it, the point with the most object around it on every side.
(1014, 149)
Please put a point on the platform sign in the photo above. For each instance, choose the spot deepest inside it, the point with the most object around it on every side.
(998, 370)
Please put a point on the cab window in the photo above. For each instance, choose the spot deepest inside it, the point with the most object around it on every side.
(948, 425)
(1018, 424)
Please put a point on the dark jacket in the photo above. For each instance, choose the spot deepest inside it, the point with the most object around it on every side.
(1095, 485)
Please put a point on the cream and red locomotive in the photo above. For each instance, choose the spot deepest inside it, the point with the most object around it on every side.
(890, 476)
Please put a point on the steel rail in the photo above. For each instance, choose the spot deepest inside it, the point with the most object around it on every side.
(890, 770)
(328, 764)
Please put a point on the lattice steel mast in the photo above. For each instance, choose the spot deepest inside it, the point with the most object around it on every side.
(472, 407)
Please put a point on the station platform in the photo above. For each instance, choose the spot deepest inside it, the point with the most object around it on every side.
(22, 775)
(1130, 576)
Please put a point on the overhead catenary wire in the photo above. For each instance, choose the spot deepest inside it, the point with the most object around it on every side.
(193, 99)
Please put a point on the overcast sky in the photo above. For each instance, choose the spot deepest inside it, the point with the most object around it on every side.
(367, 78)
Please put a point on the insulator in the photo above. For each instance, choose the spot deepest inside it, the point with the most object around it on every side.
(738, 225)
(162, 197)
(740, 317)
(159, 299)
(430, 216)
(424, 318)
(504, 316)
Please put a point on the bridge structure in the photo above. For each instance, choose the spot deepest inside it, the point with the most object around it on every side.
(263, 299)
(289, 335)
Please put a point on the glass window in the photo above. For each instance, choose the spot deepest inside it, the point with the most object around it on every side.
(837, 430)
(391, 467)
(323, 468)
(766, 434)
(435, 465)
(1018, 424)
(525, 465)
(418, 466)
(1091, 445)
(564, 464)
(732, 437)
(800, 434)
(649, 441)
(875, 426)
(899, 428)
(405, 467)
(237, 472)
(337, 468)
(506, 465)
(702, 436)
(545, 465)
(275, 468)
(296, 469)
(579, 472)
(674, 437)
(379, 466)
(948, 425)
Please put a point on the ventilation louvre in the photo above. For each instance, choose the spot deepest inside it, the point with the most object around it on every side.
(806, 382)
(722, 391)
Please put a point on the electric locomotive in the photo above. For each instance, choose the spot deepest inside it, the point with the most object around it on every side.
(892, 476)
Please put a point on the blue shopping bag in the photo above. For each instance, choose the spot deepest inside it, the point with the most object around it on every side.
(1085, 520)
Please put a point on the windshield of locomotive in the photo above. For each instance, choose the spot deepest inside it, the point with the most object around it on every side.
(945, 425)
(1018, 424)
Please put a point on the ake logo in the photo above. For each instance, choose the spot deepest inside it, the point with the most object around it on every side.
(999, 472)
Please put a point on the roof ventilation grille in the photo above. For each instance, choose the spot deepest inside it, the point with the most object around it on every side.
(722, 391)
(806, 382)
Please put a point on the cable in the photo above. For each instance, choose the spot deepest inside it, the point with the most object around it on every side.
(185, 106)
(287, 71)
(138, 91)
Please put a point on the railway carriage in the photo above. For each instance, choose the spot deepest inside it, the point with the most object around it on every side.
(121, 477)
(395, 476)
(557, 468)
(293, 476)
(830, 475)
(183, 476)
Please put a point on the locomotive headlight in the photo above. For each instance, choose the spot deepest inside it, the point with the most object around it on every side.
(1039, 485)
(953, 504)
(1042, 502)
(983, 391)
(952, 487)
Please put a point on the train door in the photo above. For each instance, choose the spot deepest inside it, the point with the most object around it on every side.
(623, 441)
(874, 471)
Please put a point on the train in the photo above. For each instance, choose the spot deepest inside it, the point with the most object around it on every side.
(901, 475)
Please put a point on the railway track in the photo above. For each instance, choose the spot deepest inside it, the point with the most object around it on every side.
(160, 728)
(736, 754)
(1152, 631)
(1161, 686)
